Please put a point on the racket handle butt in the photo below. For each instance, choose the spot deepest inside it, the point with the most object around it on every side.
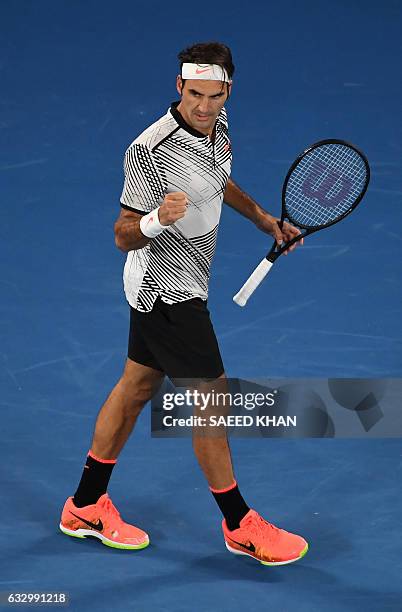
(239, 299)
(251, 284)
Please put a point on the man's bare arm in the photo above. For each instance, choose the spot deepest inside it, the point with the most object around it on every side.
(239, 200)
(246, 206)
(127, 233)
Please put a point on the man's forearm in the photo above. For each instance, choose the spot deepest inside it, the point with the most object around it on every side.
(239, 200)
(128, 235)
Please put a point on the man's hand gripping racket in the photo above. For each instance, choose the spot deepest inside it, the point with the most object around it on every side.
(323, 185)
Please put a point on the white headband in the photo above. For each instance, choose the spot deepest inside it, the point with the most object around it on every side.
(207, 72)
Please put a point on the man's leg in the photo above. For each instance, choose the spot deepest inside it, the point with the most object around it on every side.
(114, 425)
(91, 511)
(119, 413)
(211, 445)
(212, 450)
(245, 531)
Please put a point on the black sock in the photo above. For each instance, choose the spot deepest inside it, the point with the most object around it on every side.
(232, 505)
(94, 481)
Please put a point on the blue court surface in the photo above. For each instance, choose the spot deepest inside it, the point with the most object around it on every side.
(79, 80)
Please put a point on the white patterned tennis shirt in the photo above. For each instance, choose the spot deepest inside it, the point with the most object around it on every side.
(172, 156)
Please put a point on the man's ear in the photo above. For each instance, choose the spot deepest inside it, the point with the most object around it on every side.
(179, 84)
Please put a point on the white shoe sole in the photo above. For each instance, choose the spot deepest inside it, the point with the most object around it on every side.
(240, 552)
(83, 533)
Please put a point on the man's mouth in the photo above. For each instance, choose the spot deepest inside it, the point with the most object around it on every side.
(202, 117)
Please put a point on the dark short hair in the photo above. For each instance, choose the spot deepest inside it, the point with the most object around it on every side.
(208, 53)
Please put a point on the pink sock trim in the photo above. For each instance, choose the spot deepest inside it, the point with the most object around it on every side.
(90, 453)
(232, 486)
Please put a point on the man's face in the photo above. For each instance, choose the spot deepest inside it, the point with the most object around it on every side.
(201, 102)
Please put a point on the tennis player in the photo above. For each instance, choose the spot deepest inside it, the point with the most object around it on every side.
(176, 177)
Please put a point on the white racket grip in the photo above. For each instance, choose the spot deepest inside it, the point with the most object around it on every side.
(252, 282)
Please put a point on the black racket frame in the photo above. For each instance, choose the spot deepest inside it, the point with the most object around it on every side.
(273, 254)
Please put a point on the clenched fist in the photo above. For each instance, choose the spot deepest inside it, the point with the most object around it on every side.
(174, 207)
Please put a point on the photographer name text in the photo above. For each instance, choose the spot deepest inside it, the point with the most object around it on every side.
(230, 421)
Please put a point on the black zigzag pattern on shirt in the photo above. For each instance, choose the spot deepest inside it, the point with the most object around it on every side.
(223, 149)
(207, 243)
(185, 160)
(145, 184)
(171, 247)
(175, 263)
(146, 300)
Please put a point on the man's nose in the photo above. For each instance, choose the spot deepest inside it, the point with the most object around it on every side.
(203, 105)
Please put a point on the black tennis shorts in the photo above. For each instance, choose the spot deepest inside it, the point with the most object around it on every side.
(177, 339)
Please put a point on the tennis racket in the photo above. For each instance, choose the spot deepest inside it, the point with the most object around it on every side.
(323, 185)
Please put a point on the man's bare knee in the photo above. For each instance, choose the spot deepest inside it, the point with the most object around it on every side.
(139, 384)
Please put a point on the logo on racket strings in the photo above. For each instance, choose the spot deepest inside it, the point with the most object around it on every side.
(329, 190)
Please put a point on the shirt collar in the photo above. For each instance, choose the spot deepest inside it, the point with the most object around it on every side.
(183, 124)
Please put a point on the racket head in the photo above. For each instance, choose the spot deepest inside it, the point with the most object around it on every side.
(324, 184)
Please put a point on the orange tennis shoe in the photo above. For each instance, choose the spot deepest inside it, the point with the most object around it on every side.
(259, 539)
(101, 520)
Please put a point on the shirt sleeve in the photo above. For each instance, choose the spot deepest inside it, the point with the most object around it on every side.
(144, 187)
